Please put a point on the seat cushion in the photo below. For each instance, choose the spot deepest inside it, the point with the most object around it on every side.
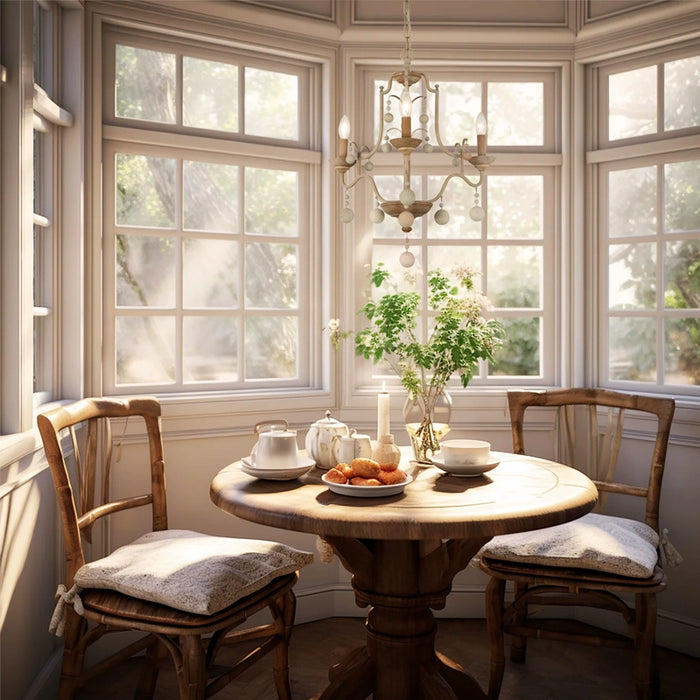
(190, 571)
(598, 542)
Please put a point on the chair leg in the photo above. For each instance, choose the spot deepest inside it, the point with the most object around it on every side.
(495, 593)
(645, 671)
(149, 675)
(285, 616)
(190, 666)
(518, 647)
(73, 655)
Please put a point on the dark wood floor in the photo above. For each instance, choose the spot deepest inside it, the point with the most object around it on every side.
(553, 671)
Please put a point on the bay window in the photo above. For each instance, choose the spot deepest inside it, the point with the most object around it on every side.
(208, 217)
(511, 244)
(648, 170)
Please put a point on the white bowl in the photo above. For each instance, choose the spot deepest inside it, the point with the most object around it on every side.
(465, 452)
(465, 469)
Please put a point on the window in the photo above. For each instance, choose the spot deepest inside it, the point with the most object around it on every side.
(208, 218)
(513, 246)
(649, 225)
(49, 117)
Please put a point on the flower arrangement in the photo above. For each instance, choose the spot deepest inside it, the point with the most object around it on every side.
(460, 336)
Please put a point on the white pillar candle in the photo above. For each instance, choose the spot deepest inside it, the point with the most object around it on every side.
(383, 413)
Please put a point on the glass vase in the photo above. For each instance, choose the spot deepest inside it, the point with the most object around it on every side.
(427, 420)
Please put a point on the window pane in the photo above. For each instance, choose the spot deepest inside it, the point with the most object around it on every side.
(145, 84)
(209, 94)
(682, 93)
(271, 104)
(519, 356)
(145, 348)
(514, 276)
(632, 207)
(682, 196)
(210, 272)
(632, 276)
(271, 347)
(632, 349)
(145, 191)
(145, 271)
(209, 349)
(457, 201)
(515, 206)
(682, 353)
(210, 196)
(682, 274)
(445, 258)
(459, 104)
(516, 114)
(632, 103)
(271, 275)
(271, 201)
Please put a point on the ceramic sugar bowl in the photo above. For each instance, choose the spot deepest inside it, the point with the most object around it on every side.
(319, 440)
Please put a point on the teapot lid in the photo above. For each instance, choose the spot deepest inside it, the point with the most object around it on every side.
(329, 422)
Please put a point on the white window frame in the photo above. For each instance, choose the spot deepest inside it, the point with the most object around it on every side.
(301, 155)
(545, 160)
(607, 155)
(59, 346)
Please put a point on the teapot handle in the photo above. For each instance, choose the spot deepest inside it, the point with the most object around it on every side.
(271, 423)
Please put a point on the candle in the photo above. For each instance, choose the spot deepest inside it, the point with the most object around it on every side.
(383, 412)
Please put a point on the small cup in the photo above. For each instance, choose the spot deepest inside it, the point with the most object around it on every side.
(464, 452)
(275, 449)
(345, 449)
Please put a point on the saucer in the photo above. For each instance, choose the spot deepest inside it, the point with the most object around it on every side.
(284, 474)
(464, 469)
(367, 491)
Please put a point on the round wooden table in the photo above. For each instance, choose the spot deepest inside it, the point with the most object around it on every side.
(403, 552)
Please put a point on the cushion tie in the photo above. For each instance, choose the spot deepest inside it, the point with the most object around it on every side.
(669, 554)
(65, 597)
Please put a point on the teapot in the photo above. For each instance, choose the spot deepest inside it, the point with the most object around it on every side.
(319, 440)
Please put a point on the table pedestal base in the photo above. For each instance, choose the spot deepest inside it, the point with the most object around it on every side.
(402, 581)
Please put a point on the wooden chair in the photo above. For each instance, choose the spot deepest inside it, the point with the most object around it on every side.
(191, 639)
(542, 577)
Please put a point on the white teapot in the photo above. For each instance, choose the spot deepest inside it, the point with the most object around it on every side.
(319, 440)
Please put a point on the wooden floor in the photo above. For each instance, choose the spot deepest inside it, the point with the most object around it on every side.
(553, 671)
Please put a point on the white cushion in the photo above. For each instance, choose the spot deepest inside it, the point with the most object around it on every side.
(190, 571)
(599, 542)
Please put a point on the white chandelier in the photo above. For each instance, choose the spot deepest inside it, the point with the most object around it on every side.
(407, 141)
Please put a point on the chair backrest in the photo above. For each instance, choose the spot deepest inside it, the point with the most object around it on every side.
(604, 432)
(88, 424)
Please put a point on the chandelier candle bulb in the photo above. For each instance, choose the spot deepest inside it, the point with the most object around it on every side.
(481, 129)
(344, 135)
(383, 413)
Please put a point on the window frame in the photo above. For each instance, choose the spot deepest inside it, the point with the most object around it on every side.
(604, 156)
(206, 144)
(545, 159)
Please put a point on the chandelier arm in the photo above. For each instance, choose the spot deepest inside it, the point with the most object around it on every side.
(370, 179)
(462, 177)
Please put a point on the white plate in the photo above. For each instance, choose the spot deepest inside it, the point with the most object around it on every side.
(366, 491)
(464, 469)
(287, 474)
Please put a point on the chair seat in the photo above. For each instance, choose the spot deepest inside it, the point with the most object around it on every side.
(109, 607)
(537, 574)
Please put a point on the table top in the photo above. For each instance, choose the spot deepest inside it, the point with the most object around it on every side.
(521, 493)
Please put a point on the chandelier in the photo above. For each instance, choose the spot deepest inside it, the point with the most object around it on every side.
(407, 140)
